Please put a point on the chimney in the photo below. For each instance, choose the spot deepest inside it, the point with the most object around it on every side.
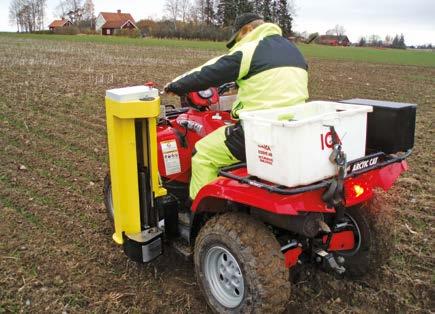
(63, 19)
(119, 11)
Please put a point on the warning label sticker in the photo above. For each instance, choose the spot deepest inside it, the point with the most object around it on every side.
(265, 154)
(171, 157)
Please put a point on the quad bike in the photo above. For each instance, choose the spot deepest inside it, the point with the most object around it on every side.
(245, 234)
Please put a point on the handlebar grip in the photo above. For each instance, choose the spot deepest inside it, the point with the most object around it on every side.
(151, 84)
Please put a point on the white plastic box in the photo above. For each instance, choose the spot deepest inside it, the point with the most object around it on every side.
(296, 152)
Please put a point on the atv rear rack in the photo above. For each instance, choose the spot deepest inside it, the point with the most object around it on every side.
(385, 160)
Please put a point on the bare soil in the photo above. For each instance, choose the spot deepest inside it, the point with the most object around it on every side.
(56, 253)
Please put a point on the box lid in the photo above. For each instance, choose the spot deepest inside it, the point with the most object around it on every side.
(326, 112)
(378, 103)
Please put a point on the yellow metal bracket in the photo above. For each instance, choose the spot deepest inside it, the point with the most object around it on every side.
(121, 135)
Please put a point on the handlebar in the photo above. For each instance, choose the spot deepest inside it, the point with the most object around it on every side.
(226, 87)
(221, 89)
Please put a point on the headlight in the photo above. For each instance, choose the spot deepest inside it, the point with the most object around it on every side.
(206, 94)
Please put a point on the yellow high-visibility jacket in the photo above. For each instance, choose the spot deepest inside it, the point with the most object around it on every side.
(269, 70)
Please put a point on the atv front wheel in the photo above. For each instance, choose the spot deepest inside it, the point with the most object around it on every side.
(239, 266)
(108, 200)
(374, 234)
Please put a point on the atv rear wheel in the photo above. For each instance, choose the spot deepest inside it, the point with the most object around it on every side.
(108, 200)
(374, 236)
(239, 266)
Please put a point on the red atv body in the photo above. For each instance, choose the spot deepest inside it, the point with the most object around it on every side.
(245, 233)
(186, 128)
(195, 120)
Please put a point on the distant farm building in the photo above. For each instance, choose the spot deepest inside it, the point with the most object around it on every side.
(297, 39)
(59, 23)
(108, 22)
(333, 40)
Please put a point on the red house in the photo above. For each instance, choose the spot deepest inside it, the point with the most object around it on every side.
(59, 23)
(333, 40)
(108, 22)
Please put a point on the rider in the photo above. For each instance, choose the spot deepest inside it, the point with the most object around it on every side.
(269, 71)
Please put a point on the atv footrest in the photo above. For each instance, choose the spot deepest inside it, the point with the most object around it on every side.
(183, 249)
(145, 246)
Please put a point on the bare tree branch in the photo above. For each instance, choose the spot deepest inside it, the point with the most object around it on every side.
(28, 15)
(172, 8)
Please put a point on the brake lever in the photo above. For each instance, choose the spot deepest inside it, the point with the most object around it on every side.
(225, 88)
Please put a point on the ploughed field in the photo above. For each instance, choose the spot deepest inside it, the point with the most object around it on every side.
(56, 252)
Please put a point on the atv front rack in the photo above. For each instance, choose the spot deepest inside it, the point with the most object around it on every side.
(384, 160)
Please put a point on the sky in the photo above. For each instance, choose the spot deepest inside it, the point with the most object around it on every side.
(415, 19)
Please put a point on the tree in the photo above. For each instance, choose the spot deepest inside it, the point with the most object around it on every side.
(402, 44)
(374, 40)
(399, 42)
(198, 11)
(257, 6)
(275, 11)
(146, 26)
(283, 17)
(76, 12)
(395, 43)
(425, 46)
(339, 30)
(388, 41)
(71, 9)
(222, 13)
(42, 6)
(362, 42)
(27, 15)
(172, 9)
(304, 35)
(244, 6)
(291, 7)
(185, 9)
(89, 13)
(209, 12)
(60, 10)
(226, 12)
(266, 10)
(14, 14)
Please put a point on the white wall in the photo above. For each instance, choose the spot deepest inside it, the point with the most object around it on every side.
(100, 22)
